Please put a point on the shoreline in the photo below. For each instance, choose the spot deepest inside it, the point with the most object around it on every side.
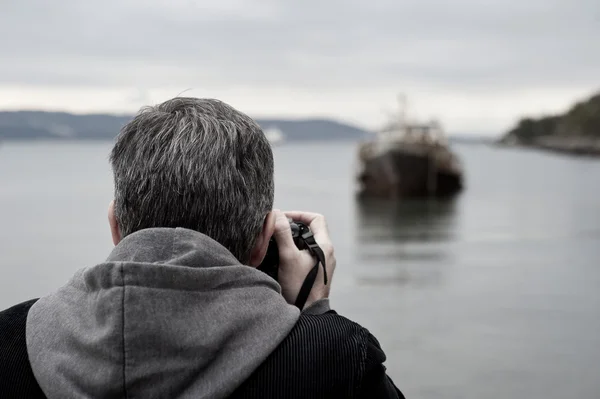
(575, 146)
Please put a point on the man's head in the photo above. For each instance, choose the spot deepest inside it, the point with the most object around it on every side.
(198, 164)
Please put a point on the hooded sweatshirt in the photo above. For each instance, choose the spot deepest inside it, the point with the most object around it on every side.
(171, 313)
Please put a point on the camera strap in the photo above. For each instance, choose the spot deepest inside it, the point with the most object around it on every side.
(316, 251)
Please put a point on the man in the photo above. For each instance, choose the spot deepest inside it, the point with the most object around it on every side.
(178, 309)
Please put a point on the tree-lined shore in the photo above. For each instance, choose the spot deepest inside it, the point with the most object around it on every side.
(577, 131)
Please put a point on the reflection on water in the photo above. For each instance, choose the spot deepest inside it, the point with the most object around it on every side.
(409, 238)
(404, 221)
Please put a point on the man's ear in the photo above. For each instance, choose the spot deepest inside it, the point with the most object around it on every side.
(262, 241)
(114, 225)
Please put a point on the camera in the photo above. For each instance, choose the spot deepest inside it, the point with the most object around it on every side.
(304, 239)
(270, 264)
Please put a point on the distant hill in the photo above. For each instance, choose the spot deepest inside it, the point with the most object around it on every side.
(575, 131)
(314, 129)
(35, 125)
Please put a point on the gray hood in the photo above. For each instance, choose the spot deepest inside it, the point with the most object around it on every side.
(170, 314)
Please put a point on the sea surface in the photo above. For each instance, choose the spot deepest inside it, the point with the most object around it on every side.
(493, 295)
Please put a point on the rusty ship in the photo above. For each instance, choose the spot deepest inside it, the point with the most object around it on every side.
(408, 160)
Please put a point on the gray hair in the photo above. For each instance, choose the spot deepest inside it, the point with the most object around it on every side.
(198, 164)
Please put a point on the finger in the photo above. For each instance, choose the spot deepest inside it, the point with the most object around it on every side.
(283, 233)
(316, 222)
(304, 217)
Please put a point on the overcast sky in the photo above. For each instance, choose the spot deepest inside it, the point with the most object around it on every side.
(476, 65)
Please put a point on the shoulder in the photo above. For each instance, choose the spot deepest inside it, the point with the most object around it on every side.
(323, 356)
(16, 376)
(19, 308)
(330, 325)
(12, 322)
(331, 334)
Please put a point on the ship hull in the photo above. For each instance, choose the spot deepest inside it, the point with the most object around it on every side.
(408, 172)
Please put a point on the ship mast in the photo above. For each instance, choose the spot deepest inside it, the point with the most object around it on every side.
(402, 101)
(398, 123)
(403, 127)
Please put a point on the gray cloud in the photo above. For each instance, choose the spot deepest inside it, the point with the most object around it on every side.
(336, 45)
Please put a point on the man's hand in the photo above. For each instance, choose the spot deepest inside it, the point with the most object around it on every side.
(294, 265)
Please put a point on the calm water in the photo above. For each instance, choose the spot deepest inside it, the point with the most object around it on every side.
(494, 295)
